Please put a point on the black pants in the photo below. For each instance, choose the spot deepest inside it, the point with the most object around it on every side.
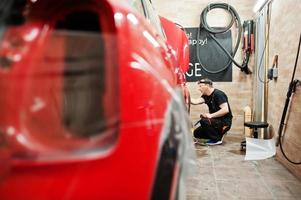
(211, 129)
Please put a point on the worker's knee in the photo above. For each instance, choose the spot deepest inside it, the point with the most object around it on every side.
(197, 132)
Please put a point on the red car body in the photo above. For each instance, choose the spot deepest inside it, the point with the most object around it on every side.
(91, 111)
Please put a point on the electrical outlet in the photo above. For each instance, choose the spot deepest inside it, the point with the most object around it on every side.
(275, 73)
(270, 74)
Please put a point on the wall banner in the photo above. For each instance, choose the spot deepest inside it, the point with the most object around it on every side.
(210, 58)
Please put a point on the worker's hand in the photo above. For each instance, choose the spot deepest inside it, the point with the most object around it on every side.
(206, 115)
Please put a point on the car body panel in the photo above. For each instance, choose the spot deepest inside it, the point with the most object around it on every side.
(178, 41)
(148, 98)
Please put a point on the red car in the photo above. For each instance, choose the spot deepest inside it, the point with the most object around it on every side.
(91, 101)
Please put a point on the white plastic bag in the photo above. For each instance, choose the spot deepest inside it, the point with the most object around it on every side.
(259, 149)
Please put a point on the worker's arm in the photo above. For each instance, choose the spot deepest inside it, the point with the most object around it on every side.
(197, 101)
(224, 109)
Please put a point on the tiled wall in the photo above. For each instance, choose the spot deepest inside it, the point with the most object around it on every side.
(284, 36)
(285, 30)
(239, 91)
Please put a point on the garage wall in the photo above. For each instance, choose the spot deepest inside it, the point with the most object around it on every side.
(239, 91)
(284, 36)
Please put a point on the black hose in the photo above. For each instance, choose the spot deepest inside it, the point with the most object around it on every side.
(212, 31)
(292, 88)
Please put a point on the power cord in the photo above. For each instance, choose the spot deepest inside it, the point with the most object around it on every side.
(291, 90)
(293, 87)
(265, 45)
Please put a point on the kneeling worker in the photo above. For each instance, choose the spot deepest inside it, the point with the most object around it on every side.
(217, 122)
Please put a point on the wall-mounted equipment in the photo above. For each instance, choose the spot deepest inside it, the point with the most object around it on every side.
(248, 43)
(248, 37)
(273, 71)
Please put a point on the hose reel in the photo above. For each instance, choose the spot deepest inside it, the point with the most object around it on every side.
(212, 31)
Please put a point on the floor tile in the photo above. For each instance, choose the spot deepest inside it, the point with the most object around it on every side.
(277, 174)
(227, 189)
(285, 189)
(235, 174)
(253, 188)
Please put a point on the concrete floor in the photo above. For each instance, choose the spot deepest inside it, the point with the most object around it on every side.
(222, 174)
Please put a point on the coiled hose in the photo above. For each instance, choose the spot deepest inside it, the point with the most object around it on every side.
(212, 31)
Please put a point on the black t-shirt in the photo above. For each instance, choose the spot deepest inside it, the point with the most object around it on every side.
(213, 102)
